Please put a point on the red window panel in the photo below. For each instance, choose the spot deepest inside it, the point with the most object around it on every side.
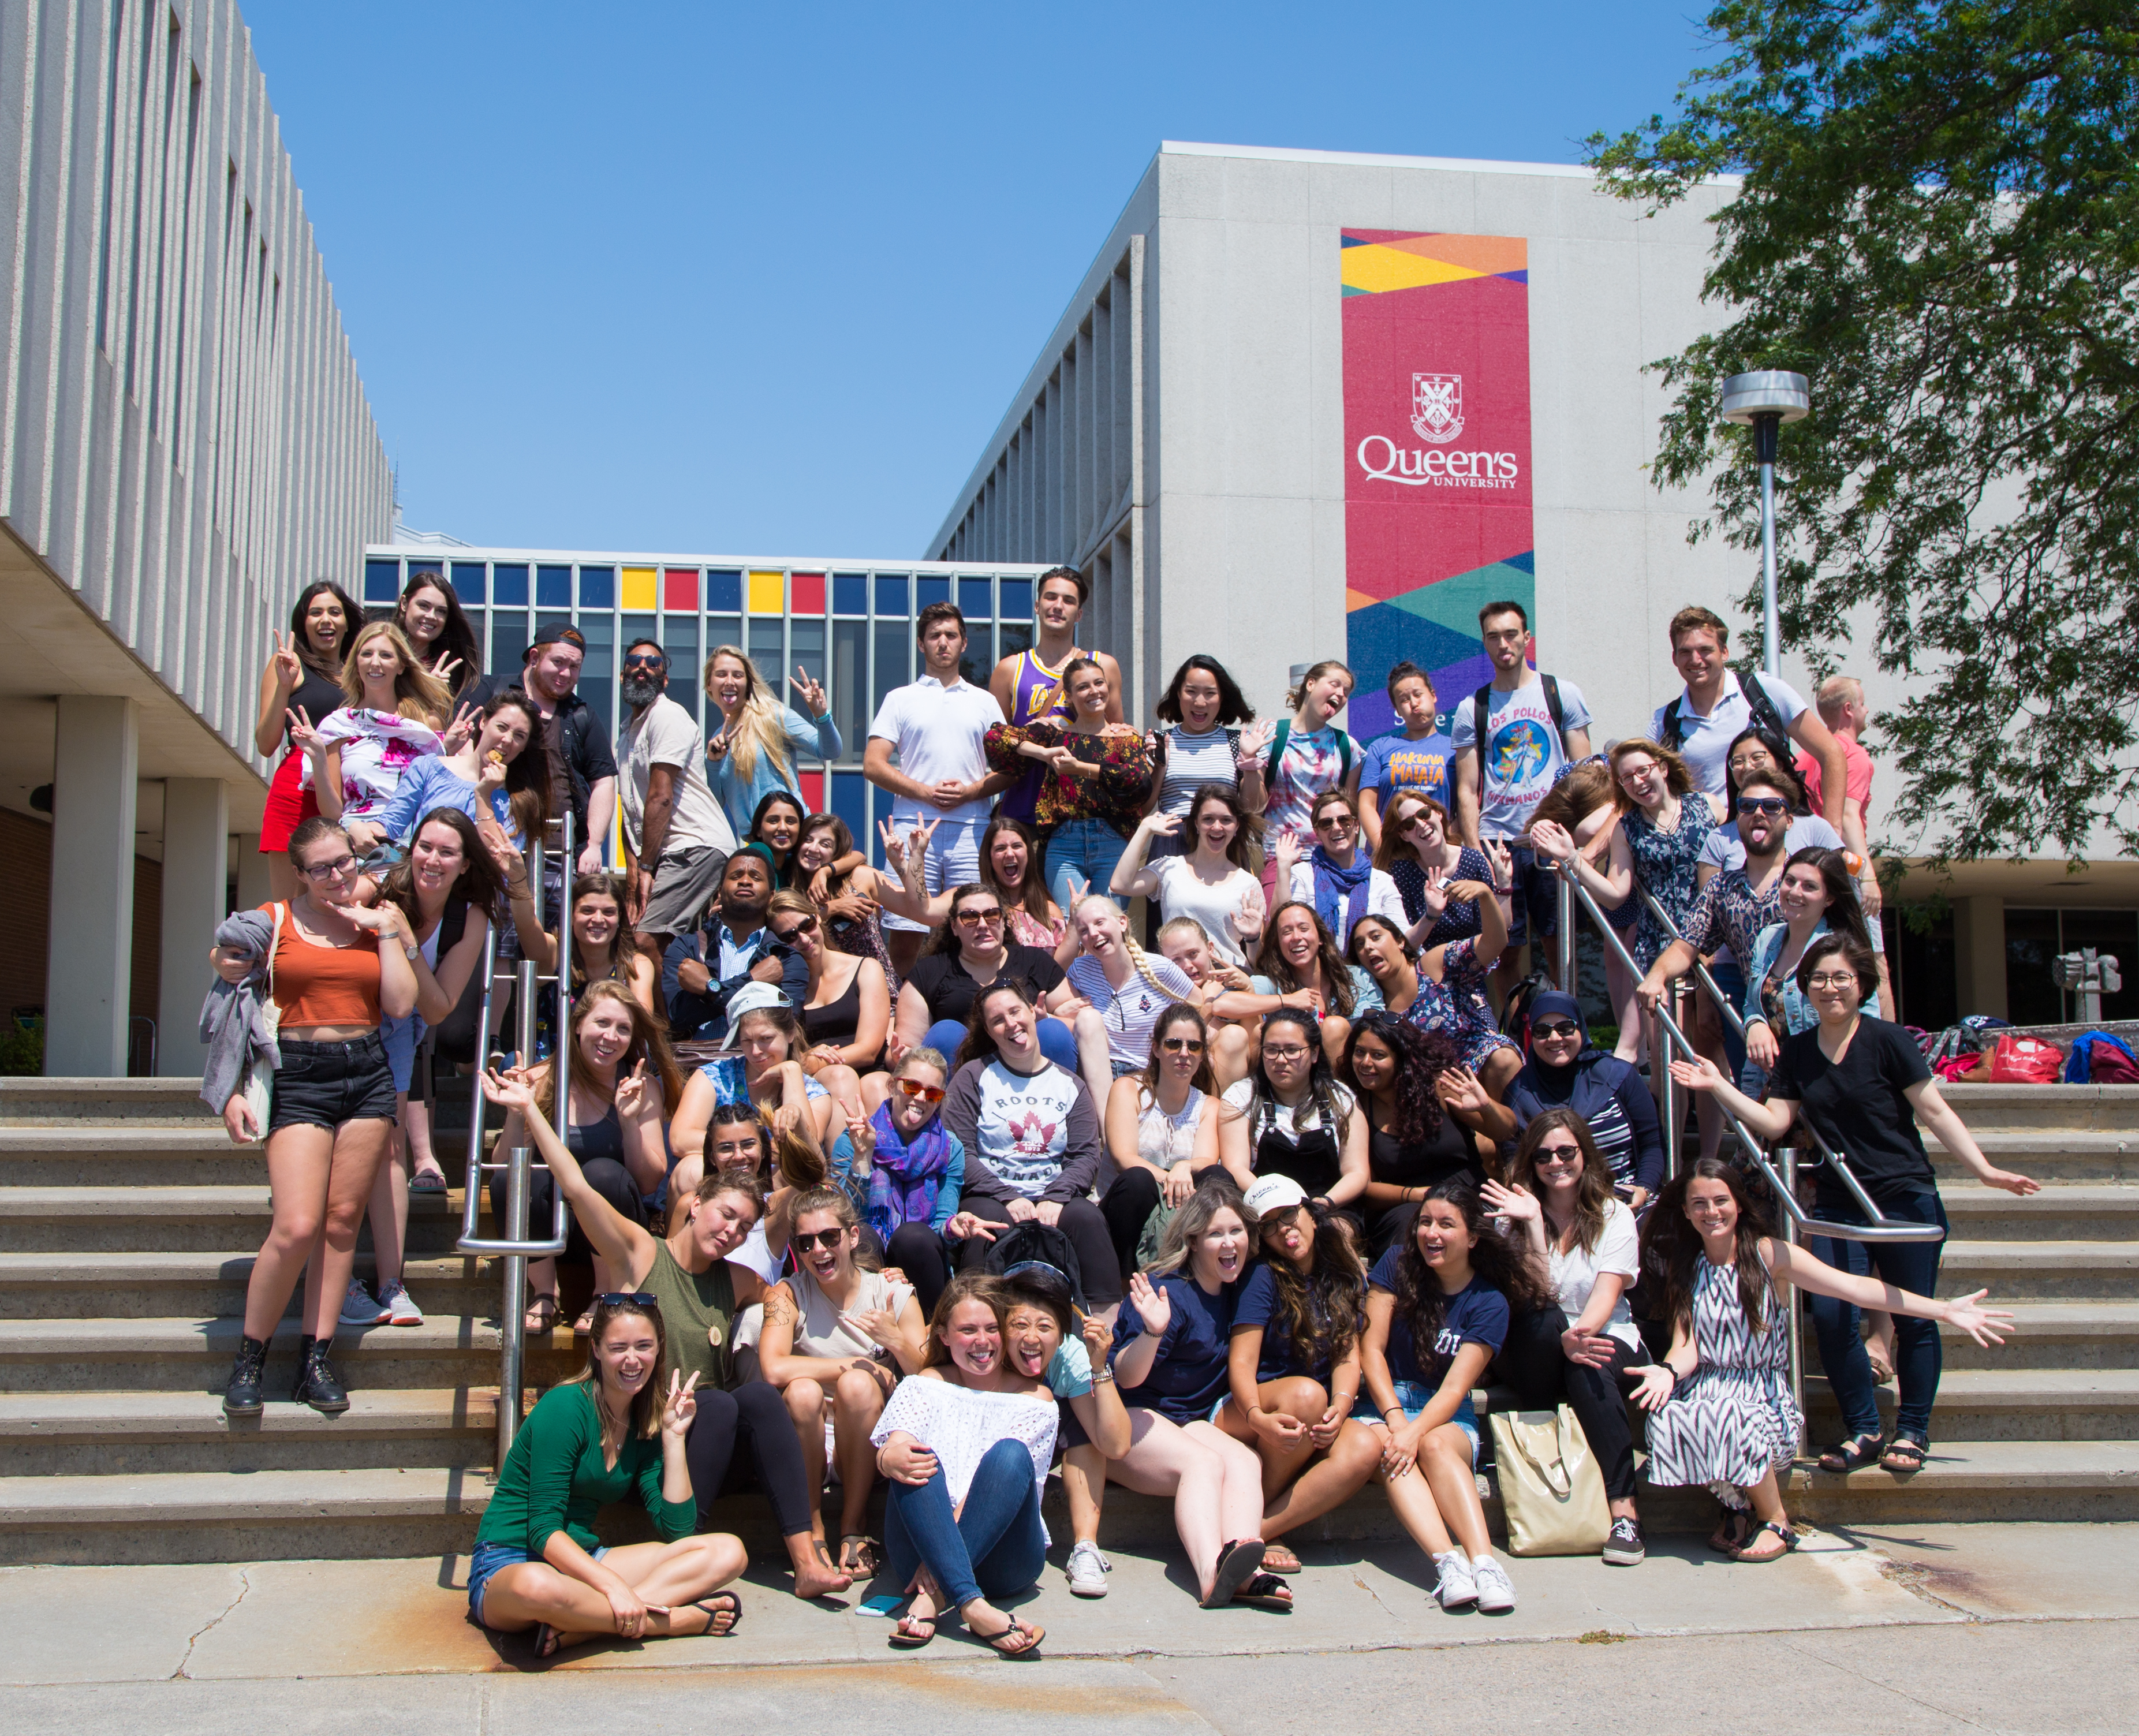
(813, 787)
(805, 593)
(679, 590)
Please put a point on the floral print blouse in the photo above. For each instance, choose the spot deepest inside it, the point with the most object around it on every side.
(1456, 1006)
(1730, 913)
(1664, 864)
(1115, 790)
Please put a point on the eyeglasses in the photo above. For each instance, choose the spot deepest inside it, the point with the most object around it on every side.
(805, 1241)
(1284, 1054)
(1773, 806)
(981, 916)
(1833, 980)
(1555, 1154)
(915, 1088)
(646, 662)
(1557, 1027)
(803, 925)
(331, 870)
(1181, 1045)
(628, 1299)
(1640, 773)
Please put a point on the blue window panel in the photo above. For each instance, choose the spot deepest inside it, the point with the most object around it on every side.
(722, 630)
(553, 587)
(975, 598)
(978, 663)
(597, 587)
(382, 581)
(926, 591)
(850, 594)
(508, 587)
(723, 592)
(1017, 603)
(849, 796)
(468, 580)
(891, 593)
(507, 640)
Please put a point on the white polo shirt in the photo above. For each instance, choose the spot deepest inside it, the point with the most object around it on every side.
(936, 729)
(1705, 742)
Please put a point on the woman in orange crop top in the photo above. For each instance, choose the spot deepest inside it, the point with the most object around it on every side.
(337, 967)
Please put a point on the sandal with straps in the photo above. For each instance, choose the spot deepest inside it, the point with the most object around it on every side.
(535, 1320)
(1904, 1455)
(1266, 1591)
(720, 1604)
(1852, 1455)
(1744, 1552)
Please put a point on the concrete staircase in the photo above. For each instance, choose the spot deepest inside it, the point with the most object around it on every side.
(128, 1223)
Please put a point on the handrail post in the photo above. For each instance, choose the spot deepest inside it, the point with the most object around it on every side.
(1565, 899)
(1671, 1107)
(512, 1318)
(1789, 1156)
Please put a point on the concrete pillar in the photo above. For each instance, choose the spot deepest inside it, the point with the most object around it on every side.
(253, 888)
(1979, 939)
(196, 858)
(90, 953)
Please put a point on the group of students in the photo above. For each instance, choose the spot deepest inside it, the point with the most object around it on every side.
(1240, 1221)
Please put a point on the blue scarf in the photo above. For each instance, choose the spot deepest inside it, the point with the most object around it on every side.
(904, 1175)
(1340, 893)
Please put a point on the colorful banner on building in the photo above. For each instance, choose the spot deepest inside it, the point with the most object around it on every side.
(1437, 456)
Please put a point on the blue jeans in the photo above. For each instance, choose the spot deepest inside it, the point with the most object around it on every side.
(1057, 1042)
(996, 1546)
(1917, 1359)
(1088, 848)
(1731, 978)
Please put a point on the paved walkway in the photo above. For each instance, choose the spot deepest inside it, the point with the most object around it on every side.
(2020, 1627)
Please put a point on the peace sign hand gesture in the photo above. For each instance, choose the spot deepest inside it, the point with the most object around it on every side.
(810, 693)
(677, 1414)
(304, 734)
(443, 670)
(283, 661)
(457, 733)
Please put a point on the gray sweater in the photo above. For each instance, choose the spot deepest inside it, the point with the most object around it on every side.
(234, 1021)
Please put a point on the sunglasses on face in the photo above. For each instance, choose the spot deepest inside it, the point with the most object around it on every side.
(980, 916)
(1546, 1154)
(805, 1241)
(628, 1299)
(915, 1088)
(330, 870)
(643, 661)
(1181, 1045)
(1773, 806)
(803, 925)
(1557, 1028)
(1341, 822)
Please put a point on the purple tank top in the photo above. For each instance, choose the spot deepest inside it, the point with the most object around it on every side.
(1035, 692)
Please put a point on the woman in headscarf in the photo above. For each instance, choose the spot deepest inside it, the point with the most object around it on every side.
(1566, 1071)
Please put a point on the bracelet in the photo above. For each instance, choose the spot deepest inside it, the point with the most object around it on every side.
(1105, 1377)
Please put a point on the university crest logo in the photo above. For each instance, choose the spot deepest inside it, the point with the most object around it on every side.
(1437, 406)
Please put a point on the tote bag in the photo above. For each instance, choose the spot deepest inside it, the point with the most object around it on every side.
(258, 1087)
(1550, 1487)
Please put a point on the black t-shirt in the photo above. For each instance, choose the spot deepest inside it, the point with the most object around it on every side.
(949, 988)
(1426, 1163)
(1858, 1106)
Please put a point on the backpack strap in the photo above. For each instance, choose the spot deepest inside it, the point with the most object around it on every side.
(1559, 717)
(1671, 730)
(1481, 711)
(1279, 737)
(1762, 709)
(1343, 757)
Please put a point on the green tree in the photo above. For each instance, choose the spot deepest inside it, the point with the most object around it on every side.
(1939, 223)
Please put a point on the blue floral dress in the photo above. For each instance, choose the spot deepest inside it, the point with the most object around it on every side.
(1664, 864)
(1457, 920)
(1457, 1006)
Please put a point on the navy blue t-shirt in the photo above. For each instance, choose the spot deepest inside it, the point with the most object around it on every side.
(1475, 1314)
(1259, 1306)
(1188, 1375)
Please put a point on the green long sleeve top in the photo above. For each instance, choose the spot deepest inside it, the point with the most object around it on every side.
(555, 1480)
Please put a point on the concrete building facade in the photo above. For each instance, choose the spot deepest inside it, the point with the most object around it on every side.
(184, 442)
(1228, 434)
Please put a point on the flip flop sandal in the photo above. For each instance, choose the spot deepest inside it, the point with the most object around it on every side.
(584, 1325)
(1789, 1542)
(1903, 1457)
(1020, 1640)
(1852, 1455)
(912, 1632)
(1279, 1559)
(1266, 1591)
(536, 1321)
(720, 1604)
(546, 1642)
(427, 1181)
(860, 1557)
(1236, 1561)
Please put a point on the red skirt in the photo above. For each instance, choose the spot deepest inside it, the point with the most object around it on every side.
(288, 805)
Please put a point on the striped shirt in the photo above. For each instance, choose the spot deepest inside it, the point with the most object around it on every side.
(1191, 761)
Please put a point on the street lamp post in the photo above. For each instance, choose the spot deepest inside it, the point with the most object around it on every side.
(1764, 402)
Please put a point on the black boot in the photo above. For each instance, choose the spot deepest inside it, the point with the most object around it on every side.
(316, 1385)
(241, 1394)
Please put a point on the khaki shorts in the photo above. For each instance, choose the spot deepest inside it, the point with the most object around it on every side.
(684, 882)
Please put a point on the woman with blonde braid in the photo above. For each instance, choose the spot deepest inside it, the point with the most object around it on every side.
(1127, 990)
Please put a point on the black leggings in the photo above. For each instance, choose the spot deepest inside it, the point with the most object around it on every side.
(1533, 1362)
(606, 1175)
(1127, 1206)
(1087, 1230)
(918, 1252)
(755, 1414)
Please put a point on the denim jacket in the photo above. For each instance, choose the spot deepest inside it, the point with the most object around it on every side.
(1797, 1014)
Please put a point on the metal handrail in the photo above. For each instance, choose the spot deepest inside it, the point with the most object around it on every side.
(515, 1246)
(1881, 1228)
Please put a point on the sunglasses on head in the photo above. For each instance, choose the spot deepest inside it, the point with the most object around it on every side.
(1773, 806)
(628, 1299)
(915, 1088)
(1556, 1028)
(806, 1240)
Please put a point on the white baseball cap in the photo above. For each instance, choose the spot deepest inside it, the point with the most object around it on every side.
(1274, 1193)
(753, 997)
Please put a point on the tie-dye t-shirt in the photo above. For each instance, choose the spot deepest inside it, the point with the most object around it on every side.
(1311, 763)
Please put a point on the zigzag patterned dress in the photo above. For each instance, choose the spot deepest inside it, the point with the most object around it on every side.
(1735, 1418)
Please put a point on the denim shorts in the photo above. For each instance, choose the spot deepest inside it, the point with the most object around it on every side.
(487, 1559)
(1415, 1395)
(327, 1084)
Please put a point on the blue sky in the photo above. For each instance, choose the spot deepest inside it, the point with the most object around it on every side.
(761, 281)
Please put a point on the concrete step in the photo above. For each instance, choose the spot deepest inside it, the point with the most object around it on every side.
(68, 1285)
(2061, 1107)
(2076, 1211)
(2095, 1335)
(2040, 1271)
(2054, 1158)
(133, 1433)
(2002, 1404)
(140, 1152)
(41, 1099)
(193, 1354)
(1966, 1480)
(172, 1219)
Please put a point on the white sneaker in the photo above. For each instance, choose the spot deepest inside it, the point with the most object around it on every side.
(358, 1308)
(1088, 1571)
(1496, 1592)
(1456, 1587)
(400, 1306)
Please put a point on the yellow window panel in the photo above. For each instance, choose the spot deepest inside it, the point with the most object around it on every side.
(768, 593)
(638, 589)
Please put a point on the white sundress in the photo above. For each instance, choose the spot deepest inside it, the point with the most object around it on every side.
(1736, 1420)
